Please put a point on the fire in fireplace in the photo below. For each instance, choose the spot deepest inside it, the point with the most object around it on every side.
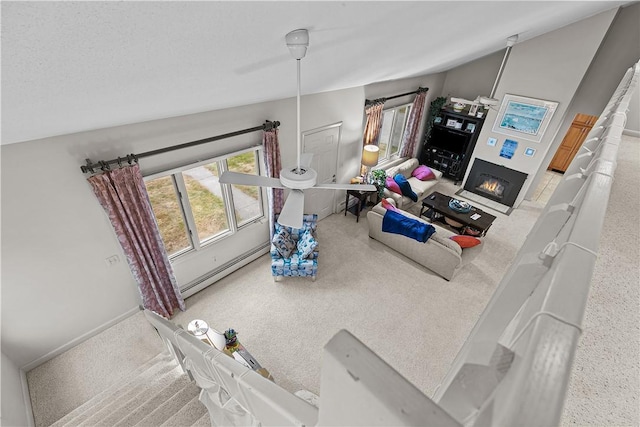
(495, 182)
(492, 185)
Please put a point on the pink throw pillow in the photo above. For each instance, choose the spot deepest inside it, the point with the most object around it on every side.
(392, 185)
(423, 173)
(387, 205)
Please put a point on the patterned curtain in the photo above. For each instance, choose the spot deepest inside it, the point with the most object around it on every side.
(373, 126)
(272, 159)
(124, 197)
(412, 130)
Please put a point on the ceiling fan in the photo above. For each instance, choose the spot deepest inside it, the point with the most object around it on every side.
(490, 101)
(296, 178)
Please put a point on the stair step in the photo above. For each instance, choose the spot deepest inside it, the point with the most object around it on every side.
(146, 402)
(156, 365)
(203, 421)
(172, 405)
(131, 397)
(188, 414)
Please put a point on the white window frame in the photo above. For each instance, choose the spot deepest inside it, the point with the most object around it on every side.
(389, 158)
(227, 197)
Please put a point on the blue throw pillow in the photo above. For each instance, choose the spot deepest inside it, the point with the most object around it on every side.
(306, 244)
(405, 187)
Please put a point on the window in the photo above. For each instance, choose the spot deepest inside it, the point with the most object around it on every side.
(394, 121)
(193, 209)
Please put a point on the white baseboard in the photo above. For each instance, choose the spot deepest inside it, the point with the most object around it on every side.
(39, 361)
(27, 398)
(630, 132)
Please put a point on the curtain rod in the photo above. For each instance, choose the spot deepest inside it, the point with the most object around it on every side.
(89, 167)
(368, 102)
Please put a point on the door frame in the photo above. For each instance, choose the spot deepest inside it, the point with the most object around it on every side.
(320, 129)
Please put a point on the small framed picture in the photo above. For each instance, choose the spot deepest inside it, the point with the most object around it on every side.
(492, 142)
(458, 125)
(452, 123)
(437, 120)
(529, 152)
(471, 127)
(473, 110)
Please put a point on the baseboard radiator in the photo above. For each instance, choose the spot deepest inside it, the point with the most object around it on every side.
(223, 270)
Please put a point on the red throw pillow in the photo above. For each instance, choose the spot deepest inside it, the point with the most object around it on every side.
(466, 241)
(388, 205)
(423, 173)
(392, 185)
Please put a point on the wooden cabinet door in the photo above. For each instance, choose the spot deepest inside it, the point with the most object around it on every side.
(572, 141)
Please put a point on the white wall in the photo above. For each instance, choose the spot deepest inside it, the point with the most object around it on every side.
(14, 411)
(56, 286)
(548, 67)
(473, 79)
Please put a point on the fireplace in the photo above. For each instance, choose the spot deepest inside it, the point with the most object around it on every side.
(495, 182)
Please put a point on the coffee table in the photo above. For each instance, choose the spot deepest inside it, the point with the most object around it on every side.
(438, 202)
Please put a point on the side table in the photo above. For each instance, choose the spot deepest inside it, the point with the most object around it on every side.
(361, 196)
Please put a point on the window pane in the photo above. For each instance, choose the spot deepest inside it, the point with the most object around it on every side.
(246, 199)
(166, 207)
(400, 120)
(385, 133)
(205, 199)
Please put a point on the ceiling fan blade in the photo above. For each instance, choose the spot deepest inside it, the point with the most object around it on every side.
(293, 210)
(305, 160)
(246, 179)
(361, 187)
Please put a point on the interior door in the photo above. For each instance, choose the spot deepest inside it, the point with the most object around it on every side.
(323, 143)
(572, 141)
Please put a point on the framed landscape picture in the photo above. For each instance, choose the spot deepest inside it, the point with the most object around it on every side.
(523, 117)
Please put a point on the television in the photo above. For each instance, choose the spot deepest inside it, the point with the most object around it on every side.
(448, 139)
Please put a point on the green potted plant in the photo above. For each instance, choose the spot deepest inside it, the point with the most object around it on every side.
(379, 176)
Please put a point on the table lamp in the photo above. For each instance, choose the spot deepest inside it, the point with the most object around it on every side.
(369, 159)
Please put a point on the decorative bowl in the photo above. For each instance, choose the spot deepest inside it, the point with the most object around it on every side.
(459, 206)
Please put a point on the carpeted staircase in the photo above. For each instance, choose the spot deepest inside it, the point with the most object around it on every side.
(158, 393)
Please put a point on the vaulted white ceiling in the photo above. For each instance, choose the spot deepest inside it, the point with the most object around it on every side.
(76, 66)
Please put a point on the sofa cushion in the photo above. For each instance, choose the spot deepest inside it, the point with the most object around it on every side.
(283, 242)
(423, 173)
(405, 187)
(405, 168)
(392, 185)
(466, 241)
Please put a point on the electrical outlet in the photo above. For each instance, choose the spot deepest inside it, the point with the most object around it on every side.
(112, 260)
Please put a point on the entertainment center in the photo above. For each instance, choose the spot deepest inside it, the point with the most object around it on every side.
(449, 145)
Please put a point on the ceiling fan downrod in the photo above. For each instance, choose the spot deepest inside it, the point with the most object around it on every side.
(297, 42)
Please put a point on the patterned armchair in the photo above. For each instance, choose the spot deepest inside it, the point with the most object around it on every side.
(294, 252)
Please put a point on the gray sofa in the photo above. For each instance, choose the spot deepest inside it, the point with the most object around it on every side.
(421, 188)
(439, 254)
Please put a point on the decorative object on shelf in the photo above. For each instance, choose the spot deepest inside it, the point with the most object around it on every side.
(452, 123)
(529, 152)
(471, 127)
(509, 147)
(458, 107)
(459, 206)
(370, 155)
(232, 338)
(524, 117)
